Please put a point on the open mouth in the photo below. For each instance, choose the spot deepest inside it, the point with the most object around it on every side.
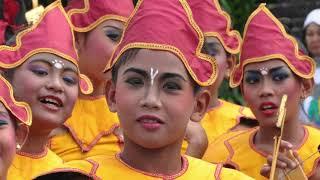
(268, 108)
(52, 101)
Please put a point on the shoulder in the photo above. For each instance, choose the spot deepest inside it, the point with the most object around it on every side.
(224, 147)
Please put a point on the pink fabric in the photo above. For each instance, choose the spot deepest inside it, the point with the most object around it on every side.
(264, 38)
(166, 23)
(212, 20)
(53, 32)
(21, 112)
(98, 9)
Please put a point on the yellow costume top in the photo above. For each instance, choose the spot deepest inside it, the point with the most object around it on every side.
(237, 150)
(222, 119)
(112, 167)
(27, 166)
(90, 131)
(84, 167)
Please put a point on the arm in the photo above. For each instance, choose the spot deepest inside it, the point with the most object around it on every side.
(197, 140)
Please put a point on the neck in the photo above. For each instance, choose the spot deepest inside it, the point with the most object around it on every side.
(293, 132)
(36, 142)
(165, 161)
(214, 100)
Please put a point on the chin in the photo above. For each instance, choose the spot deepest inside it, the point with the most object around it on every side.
(149, 143)
(49, 122)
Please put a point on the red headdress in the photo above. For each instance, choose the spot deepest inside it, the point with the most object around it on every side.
(20, 110)
(168, 26)
(215, 22)
(85, 15)
(265, 38)
(51, 34)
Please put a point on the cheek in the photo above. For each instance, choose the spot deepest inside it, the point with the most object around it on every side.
(250, 96)
(99, 47)
(71, 96)
(23, 87)
(8, 144)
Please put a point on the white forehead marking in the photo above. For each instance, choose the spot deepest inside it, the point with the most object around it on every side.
(153, 74)
(57, 64)
(264, 71)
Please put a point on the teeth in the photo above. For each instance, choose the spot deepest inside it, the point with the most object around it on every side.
(267, 107)
(148, 121)
(50, 101)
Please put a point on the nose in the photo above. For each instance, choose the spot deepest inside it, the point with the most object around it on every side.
(151, 98)
(266, 88)
(54, 83)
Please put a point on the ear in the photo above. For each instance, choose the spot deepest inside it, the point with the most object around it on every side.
(201, 105)
(80, 39)
(110, 95)
(22, 132)
(307, 87)
(231, 62)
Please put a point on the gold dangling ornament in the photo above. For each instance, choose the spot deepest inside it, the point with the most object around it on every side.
(35, 13)
(289, 174)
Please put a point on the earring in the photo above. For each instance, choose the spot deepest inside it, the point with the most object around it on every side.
(18, 147)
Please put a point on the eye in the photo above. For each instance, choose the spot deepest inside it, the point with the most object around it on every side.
(70, 80)
(136, 82)
(252, 79)
(212, 51)
(113, 35)
(39, 71)
(171, 86)
(3, 123)
(280, 76)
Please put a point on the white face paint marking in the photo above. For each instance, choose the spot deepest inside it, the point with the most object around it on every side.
(153, 74)
(57, 64)
(264, 71)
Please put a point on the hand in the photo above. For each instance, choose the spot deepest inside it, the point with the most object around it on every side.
(284, 162)
(197, 139)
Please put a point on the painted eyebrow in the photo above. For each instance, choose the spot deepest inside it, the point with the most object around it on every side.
(214, 44)
(65, 68)
(114, 27)
(270, 71)
(138, 71)
(4, 114)
(146, 74)
(171, 75)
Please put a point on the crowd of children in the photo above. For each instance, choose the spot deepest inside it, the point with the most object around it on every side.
(103, 89)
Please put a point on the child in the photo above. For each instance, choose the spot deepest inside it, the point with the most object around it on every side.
(93, 129)
(157, 71)
(15, 118)
(271, 65)
(42, 68)
(223, 44)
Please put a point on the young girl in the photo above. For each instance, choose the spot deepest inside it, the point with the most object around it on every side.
(93, 129)
(15, 118)
(42, 68)
(157, 71)
(271, 65)
(223, 44)
(311, 38)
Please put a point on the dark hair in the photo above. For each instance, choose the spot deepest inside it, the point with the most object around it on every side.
(129, 55)
(63, 176)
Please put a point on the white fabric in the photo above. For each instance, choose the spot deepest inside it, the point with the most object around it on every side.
(312, 17)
